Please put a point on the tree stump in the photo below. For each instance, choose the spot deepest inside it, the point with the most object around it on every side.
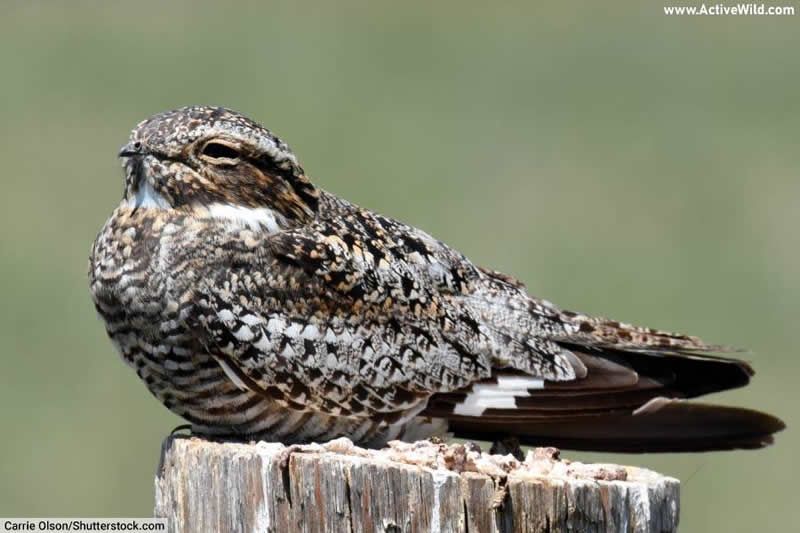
(405, 487)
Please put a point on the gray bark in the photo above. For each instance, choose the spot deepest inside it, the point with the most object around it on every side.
(419, 487)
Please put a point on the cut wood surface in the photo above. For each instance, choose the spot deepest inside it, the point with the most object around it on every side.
(405, 487)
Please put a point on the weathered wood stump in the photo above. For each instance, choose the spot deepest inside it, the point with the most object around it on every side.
(419, 487)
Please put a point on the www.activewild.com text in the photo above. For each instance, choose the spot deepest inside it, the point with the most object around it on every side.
(722, 9)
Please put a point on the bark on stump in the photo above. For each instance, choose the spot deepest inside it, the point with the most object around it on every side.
(419, 487)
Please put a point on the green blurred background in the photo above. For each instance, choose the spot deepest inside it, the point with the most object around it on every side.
(619, 161)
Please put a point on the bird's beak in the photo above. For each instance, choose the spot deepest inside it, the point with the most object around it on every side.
(129, 150)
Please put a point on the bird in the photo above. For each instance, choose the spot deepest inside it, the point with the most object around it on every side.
(256, 305)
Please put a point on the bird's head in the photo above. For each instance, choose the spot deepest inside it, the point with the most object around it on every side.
(212, 160)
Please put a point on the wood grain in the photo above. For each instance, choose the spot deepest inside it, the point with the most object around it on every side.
(417, 487)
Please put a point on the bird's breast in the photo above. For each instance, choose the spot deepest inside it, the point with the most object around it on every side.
(121, 259)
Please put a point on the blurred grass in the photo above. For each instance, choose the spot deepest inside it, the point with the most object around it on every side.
(618, 161)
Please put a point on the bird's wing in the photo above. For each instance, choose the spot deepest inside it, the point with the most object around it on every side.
(321, 324)
(307, 319)
(374, 261)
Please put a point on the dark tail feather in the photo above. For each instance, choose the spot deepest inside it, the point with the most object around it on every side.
(662, 425)
(686, 374)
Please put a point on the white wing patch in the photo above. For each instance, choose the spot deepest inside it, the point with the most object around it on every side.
(500, 395)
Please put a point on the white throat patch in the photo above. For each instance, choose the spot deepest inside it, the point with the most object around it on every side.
(254, 218)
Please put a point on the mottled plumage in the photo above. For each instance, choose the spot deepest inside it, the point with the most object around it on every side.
(254, 304)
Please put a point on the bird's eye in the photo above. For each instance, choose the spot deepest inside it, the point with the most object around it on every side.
(218, 150)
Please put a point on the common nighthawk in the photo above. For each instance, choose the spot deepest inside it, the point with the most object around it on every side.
(254, 304)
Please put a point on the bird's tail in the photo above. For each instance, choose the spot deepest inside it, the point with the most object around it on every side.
(662, 425)
(629, 394)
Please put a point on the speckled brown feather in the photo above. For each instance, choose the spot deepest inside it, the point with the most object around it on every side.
(253, 303)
